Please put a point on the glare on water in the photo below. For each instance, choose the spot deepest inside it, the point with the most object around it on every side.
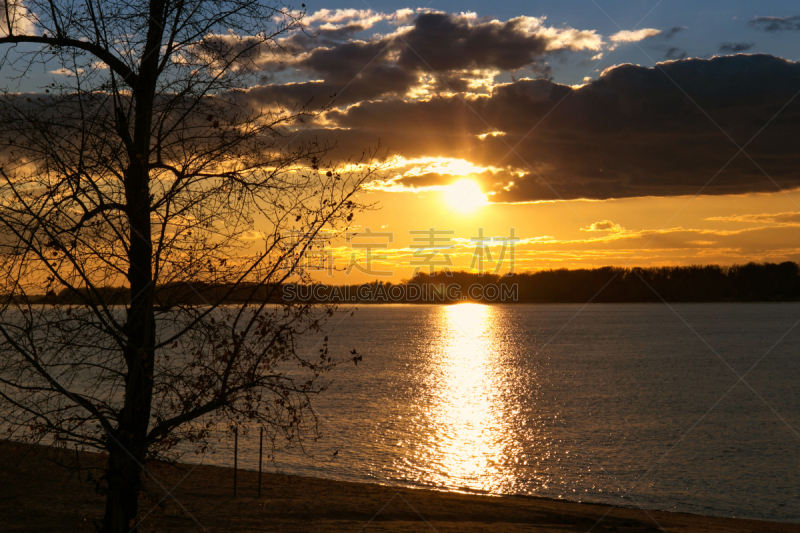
(468, 438)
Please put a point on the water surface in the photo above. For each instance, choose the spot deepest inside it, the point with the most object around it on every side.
(637, 405)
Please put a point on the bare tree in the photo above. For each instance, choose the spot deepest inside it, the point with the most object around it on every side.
(147, 168)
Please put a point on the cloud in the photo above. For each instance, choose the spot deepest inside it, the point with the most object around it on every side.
(735, 48)
(427, 181)
(22, 21)
(415, 181)
(630, 133)
(672, 32)
(685, 245)
(789, 218)
(671, 53)
(447, 42)
(605, 225)
(232, 51)
(65, 72)
(776, 24)
(627, 36)
(752, 239)
(365, 18)
(675, 53)
(459, 53)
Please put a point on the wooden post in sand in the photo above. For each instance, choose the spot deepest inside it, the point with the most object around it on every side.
(260, 455)
(235, 457)
(78, 464)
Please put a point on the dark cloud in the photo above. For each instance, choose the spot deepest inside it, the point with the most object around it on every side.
(454, 48)
(630, 133)
(675, 53)
(490, 180)
(301, 42)
(672, 32)
(344, 62)
(431, 179)
(776, 24)
(350, 73)
(445, 42)
(313, 95)
(735, 48)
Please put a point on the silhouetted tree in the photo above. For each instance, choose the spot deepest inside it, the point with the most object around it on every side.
(145, 167)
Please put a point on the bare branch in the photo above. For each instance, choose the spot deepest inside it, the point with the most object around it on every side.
(128, 75)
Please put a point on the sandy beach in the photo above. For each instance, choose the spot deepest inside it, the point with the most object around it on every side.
(36, 494)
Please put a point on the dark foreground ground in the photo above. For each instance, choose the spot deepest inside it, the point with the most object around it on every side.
(38, 495)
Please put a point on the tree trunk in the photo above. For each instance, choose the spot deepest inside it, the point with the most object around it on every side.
(125, 464)
(124, 482)
(127, 445)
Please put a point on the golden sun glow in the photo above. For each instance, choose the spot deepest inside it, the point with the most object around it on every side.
(440, 165)
(468, 410)
(464, 196)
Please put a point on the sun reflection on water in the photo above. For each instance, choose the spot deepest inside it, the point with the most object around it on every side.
(471, 441)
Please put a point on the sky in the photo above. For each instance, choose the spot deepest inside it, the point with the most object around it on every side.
(577, 133)
(601, 133)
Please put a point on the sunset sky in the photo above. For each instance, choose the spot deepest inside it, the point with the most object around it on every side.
(603, 133)
(552, 118)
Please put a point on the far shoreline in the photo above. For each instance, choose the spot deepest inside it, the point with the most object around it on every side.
(750, 283)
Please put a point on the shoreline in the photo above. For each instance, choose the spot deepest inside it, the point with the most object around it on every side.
(403, 485)
(400, 485)
(39, 496)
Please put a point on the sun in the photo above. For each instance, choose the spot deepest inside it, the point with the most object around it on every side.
(464, 196)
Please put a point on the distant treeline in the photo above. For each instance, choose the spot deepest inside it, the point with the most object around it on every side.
(167, 296)
(753, 282)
